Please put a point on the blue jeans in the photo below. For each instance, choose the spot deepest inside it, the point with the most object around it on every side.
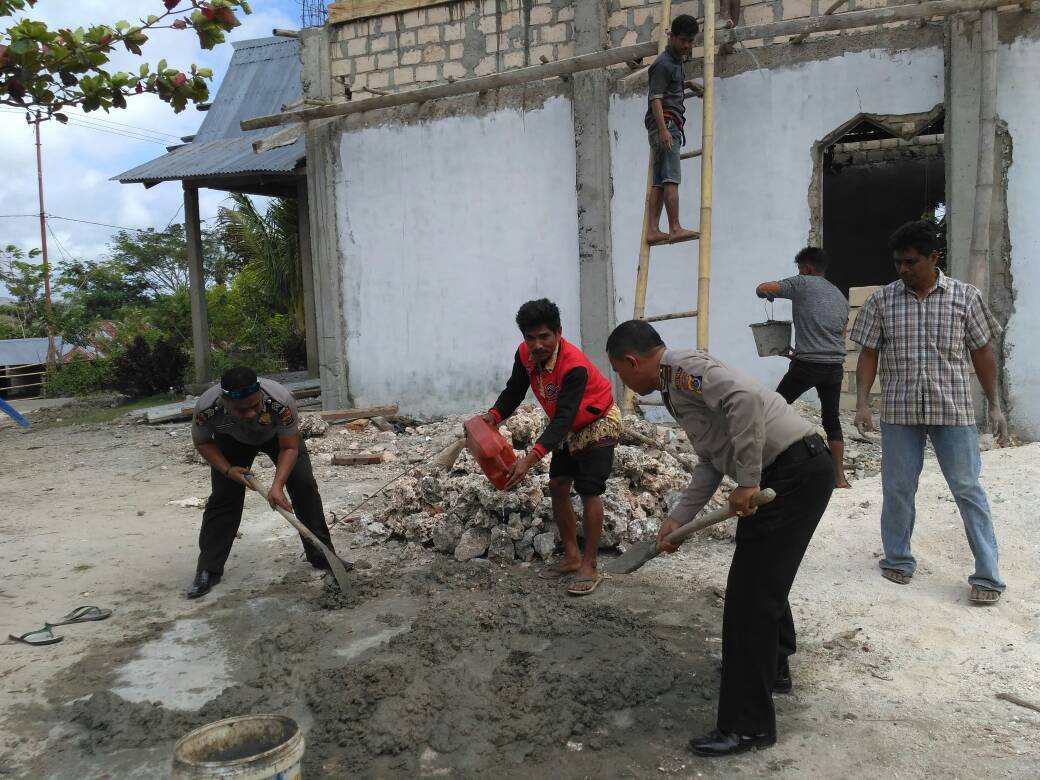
(957, 450)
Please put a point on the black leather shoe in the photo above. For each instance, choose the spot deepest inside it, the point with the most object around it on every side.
(783, 682)
(204, 581)
(724, 743)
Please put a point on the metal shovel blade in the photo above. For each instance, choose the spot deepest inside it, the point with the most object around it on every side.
(640, 553)
(335, 564)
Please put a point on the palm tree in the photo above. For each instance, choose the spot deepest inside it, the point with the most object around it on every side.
(266, 244)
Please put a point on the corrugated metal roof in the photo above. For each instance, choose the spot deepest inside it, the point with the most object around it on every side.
(263, 75)
(21, 352)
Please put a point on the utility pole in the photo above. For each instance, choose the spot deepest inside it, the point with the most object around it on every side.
(47, 309)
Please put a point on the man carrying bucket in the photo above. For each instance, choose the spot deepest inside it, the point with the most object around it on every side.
(584, 427)
(821, 315)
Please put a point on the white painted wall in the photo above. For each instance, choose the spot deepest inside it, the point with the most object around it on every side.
(445, 228)
(765, 125)
(1018, 103)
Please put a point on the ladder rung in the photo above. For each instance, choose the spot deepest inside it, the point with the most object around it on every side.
(679, 315)
(696, 236)
(688, 155)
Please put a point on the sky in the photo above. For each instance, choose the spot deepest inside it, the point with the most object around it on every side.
(78, 160)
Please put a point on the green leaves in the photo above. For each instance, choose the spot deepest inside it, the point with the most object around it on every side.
(54, 69)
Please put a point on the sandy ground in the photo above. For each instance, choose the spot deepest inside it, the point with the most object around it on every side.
(434, 668)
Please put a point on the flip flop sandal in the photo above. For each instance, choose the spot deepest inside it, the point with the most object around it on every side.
(83, 615)
(41, 636)
(584, 581)
(976, 597)
(896, 576)
(554, 572)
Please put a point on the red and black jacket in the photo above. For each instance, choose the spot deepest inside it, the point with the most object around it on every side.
(574, 393)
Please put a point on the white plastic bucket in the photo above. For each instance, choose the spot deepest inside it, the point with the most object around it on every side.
(246, 747)
(772, 337)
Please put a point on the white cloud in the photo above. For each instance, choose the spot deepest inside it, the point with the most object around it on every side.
(79, 161)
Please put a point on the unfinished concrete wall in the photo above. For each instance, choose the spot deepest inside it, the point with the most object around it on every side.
(445, 228)
(466, 38)
(1018, 104)
(766, 124)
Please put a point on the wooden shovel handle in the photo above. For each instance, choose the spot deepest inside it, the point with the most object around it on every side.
(683, 532)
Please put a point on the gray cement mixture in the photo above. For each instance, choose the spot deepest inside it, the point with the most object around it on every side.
(482, 669)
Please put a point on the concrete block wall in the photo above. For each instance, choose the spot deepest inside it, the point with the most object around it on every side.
(857, 297)
(468, 38)
(456, 40)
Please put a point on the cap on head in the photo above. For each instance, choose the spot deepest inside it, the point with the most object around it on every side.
(239, 382)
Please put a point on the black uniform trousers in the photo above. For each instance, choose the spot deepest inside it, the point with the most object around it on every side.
(757, 628)
(223, 512)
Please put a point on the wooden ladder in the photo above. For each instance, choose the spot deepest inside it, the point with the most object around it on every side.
(703, 237)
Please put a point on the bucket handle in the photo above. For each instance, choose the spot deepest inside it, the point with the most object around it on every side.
(768, 309)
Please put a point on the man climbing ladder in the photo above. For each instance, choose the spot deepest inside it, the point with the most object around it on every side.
(665, 118)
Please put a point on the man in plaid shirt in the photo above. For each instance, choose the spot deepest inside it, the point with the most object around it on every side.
(924, 328)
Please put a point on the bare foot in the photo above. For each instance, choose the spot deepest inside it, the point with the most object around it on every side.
(560, 569)
(586, 581)
(654, 236)
(841, 482)
(681, 234)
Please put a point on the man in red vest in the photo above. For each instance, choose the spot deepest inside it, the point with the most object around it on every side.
(584, 427)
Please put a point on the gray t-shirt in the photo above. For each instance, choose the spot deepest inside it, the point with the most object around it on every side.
(820, 314)
(667, 83)
(278, 417)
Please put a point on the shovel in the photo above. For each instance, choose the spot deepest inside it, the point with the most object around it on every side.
(641, 553)
(338, 571)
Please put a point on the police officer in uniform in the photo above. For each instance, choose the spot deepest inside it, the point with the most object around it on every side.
(234, 421)
(739, 428)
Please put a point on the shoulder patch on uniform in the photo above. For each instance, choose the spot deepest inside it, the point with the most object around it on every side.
(688, 382)
(284, 413)
(207, 414)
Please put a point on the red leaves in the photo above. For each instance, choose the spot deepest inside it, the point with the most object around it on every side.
(178, 80)
(170, 4)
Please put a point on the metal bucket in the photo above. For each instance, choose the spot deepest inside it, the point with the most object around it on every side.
(772, 337)
(246, 747)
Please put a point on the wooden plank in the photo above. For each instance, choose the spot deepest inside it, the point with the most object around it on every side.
(362, 412)
(599, 59)
(351, 10)
(168, 413)
(359, 459)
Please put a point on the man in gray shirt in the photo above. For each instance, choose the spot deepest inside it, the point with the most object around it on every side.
(742, 429)
(234, 421)
(821, 315)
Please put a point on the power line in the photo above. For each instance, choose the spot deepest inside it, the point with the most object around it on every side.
(99, 224)
(89, 125)
(84, 117)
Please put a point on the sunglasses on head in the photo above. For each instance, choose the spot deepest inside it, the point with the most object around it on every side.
(244, 392)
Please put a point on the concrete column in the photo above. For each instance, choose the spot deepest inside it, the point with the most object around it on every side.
(307, 268)
(961, 136)
(197, 284)
(591, 101)
(322, 163)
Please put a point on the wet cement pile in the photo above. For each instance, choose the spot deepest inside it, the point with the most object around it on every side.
(487, 670)
(496, 669)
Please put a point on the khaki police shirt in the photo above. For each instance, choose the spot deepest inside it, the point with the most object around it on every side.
(278, 418)
(736, 425)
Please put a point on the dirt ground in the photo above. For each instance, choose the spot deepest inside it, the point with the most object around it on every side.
(432, 668)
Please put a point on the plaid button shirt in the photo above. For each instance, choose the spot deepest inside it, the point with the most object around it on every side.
(925, 346)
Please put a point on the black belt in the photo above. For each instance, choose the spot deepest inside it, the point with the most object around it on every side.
(802, 450)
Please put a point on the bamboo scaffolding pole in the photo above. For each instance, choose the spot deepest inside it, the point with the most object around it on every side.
(707, 160)
(830, 10)
(983, 213)
(602, 59)
(643, 270)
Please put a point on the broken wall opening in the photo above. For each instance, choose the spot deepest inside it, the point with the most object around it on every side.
(873, 174)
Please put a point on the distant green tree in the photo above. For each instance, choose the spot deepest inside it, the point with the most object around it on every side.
(156, 261)
(24, 281)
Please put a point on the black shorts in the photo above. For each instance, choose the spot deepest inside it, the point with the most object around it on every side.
(589, 469)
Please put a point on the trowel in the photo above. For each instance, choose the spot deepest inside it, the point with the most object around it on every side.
(642, 552)
(338, 570)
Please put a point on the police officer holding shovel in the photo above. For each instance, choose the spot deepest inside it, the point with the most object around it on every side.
(739, 428)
